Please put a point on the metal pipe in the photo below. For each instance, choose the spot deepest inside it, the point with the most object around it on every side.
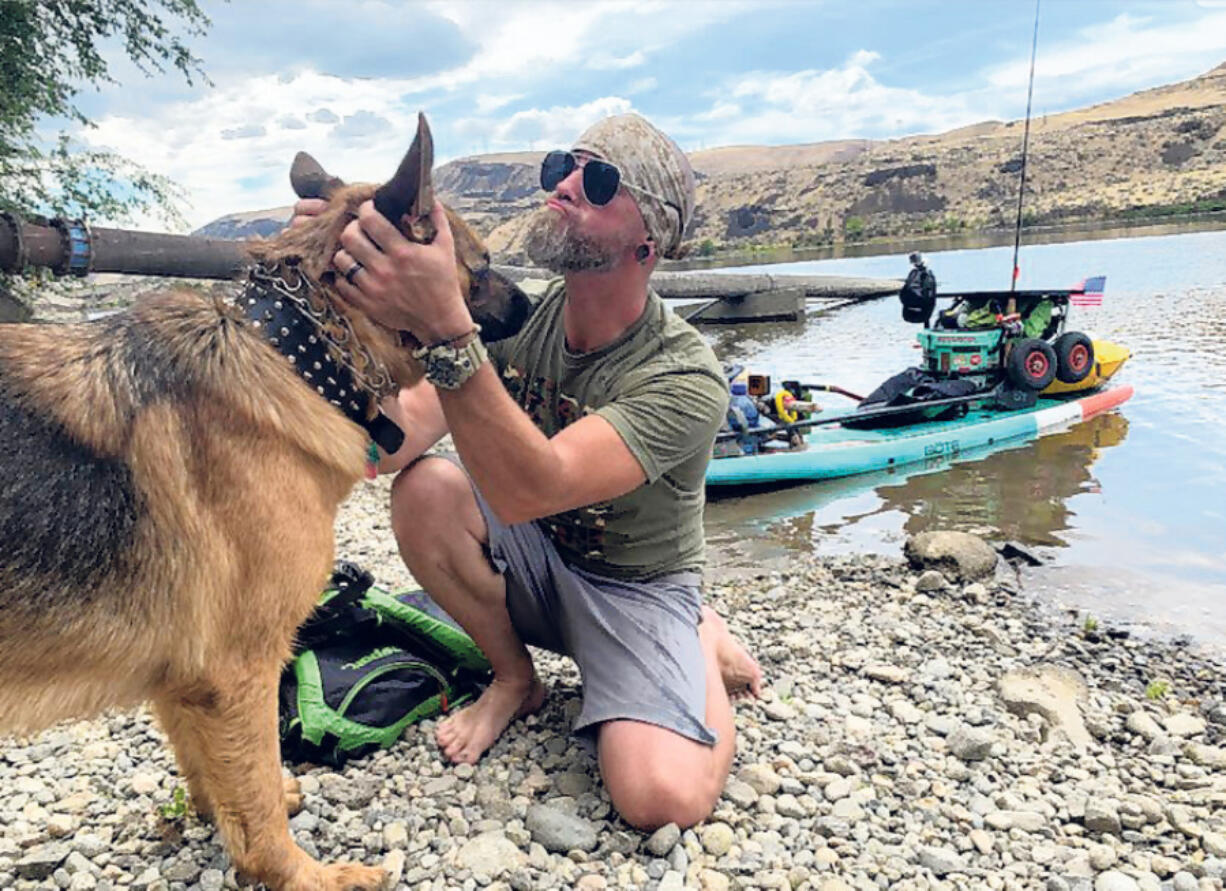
(70, 247)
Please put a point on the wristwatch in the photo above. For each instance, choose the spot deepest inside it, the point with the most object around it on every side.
(449, 363)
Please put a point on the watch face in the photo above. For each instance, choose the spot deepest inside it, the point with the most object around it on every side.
(448, 371)
(449, 368)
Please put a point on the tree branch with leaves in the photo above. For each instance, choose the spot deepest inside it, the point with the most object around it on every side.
(50, 50)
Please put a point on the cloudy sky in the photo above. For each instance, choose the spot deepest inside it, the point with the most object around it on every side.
(345, 80)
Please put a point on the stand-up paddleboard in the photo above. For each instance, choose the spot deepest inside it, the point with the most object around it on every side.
(834, 451)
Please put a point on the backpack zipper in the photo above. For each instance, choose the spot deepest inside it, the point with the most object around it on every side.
(385, 669)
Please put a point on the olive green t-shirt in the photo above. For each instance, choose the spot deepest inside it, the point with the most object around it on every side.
(661, 388)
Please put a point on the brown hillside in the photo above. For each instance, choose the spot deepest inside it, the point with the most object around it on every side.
(749, 158)
(1154, 152)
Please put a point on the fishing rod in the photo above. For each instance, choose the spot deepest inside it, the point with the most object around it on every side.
(1017, 228)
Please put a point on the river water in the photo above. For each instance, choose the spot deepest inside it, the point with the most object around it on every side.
(1127, 511)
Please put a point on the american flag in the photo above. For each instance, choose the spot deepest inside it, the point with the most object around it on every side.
(1089, 292)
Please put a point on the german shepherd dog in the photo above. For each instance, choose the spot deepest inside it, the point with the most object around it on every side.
(169, 480)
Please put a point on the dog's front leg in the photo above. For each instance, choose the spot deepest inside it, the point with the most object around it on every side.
(230, 724)
(187, 744)
(176, 721)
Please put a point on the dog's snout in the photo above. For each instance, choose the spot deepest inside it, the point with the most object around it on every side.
(521, 308)
(498, 304)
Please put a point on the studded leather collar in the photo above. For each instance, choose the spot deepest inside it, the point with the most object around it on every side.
(281, 304)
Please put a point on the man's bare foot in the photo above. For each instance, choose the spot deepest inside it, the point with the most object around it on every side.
(466, 735)
(740, 671)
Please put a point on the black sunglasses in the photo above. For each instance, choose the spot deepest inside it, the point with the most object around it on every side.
(600, 178)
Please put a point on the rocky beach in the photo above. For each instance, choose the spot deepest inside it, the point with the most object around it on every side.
(924, 725)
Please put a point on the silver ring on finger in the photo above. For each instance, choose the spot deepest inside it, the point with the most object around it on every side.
(353, 271)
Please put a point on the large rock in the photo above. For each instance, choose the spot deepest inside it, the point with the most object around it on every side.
(1102, 815)
(558, 831)
(40, 862)
(959, 555)
(490, 854)
(1052, 691)
(971, 743)
(761, 778)
(941, 861)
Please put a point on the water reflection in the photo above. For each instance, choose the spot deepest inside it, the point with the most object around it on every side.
(1020, 493)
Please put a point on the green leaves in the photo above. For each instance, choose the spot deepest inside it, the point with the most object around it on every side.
(176, 808)
(1157, 689)
(50, 50)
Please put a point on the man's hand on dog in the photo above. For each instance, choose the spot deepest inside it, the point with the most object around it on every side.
(408, 286)
(305, 208)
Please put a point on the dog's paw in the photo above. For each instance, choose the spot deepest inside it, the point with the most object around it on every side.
(203, 808)
(352, 877)
(293, 795)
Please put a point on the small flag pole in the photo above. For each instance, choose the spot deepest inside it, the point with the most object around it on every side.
(1017, 229)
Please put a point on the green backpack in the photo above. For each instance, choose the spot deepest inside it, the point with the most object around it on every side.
(368, 663)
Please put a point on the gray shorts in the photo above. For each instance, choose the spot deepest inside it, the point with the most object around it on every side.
(636, 643)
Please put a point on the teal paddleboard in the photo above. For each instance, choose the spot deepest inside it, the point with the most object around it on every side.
(834, 451)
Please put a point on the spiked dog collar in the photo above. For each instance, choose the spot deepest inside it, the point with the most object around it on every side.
(282, 304)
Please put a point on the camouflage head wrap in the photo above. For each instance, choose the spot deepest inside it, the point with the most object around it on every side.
(654, 170)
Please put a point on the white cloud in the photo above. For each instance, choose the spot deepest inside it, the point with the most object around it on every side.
(361, 125)
(863, 58)
(196, 142)
(523, 44)
(513, 38)
(487, 102)
(247, 131)
(542, 128)
(607, 61)
(533, 40)
(1124, 54)
(721, 111)
(812, 105)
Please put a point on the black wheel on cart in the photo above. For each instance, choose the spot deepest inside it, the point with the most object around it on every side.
(1031, 363)
(1074, 357)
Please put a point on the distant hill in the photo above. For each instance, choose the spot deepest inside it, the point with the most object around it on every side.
(246, 225)
(1156, 153)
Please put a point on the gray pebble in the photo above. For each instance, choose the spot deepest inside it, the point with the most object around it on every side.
(663, 840)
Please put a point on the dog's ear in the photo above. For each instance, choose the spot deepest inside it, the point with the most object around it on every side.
(310, 180)
(410, 191)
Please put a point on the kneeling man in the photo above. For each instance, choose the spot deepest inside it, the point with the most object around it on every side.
(575, 520)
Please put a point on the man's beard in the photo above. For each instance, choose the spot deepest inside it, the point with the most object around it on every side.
(551, 244)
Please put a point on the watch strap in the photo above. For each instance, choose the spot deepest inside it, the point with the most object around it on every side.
(449, 364)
